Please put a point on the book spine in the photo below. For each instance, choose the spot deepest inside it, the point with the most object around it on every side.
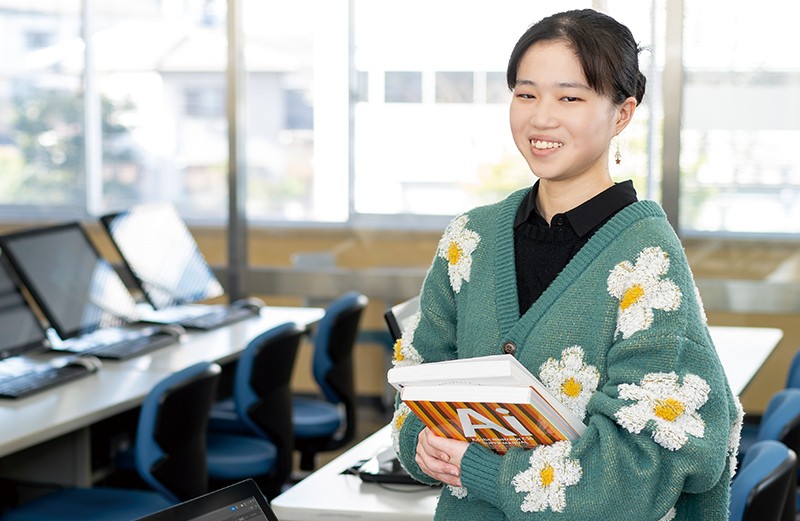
(561, 424)
(498, 426)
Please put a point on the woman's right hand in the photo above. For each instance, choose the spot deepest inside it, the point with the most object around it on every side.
(440, 458)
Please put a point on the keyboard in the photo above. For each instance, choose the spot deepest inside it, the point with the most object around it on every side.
(218, 318)
(131, 347)
(33, 382)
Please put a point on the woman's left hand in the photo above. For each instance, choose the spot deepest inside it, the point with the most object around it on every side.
(440, 458)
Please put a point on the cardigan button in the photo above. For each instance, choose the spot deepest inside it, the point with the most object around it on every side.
(509, 348)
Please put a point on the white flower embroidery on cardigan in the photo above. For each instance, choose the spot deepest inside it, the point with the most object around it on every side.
(671, 406)
(670, 515)
(571, 380)
(404, 351)
(700, 305)
(457, 492)
(550, 473)
(398, 418)
(640, 290)
(456, 247)
(735, 437)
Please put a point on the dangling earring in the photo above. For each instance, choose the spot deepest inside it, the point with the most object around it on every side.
(617, 155)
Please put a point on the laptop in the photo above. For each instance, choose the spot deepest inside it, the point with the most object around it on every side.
(383, 467)
(242, 500)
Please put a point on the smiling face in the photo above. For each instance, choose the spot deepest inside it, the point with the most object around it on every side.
(561, 125)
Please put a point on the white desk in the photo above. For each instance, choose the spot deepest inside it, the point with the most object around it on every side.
(328, 494)
(743, 350)
(219, 345)
(49, 431)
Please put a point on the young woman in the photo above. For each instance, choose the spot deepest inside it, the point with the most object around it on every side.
(590, 289)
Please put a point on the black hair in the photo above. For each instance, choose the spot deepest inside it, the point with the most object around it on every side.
(608, 54)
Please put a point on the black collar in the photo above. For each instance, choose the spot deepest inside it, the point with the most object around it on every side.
(588, 215)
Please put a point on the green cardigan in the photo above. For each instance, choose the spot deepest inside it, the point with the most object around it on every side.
(621, 337)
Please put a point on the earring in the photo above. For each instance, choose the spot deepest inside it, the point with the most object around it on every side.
(617, 155)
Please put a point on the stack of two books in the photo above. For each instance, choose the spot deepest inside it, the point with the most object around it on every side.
(493, 400)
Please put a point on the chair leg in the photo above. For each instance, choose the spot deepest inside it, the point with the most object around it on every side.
(307, 460)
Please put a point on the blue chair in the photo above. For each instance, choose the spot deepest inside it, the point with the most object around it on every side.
(169, 453)
(763, 488)
(750, 428)
(329, 422)
(793, 377)
(781, 422)
(251, 435)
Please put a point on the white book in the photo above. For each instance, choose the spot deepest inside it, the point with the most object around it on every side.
(483, 370)
(468, 393)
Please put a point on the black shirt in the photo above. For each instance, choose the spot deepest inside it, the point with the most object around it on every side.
(542, 250)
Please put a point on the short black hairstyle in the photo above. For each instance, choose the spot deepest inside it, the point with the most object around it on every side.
(608, 54)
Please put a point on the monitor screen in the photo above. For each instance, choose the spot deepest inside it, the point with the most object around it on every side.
(162, 255)
(77, 290)
(20, 327)
(237, 502)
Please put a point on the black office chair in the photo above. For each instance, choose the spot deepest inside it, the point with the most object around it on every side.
(169, 454)
(251, 434)
(330, 422)
(763, 488)
(398, 316)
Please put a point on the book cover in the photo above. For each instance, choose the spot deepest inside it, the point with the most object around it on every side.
(491, 400)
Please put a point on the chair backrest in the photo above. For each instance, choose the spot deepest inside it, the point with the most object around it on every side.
(793, 377)
(262, 391)
(765, 484)
(333, 353)
(170, 450)
(398, 315)
(781, 419)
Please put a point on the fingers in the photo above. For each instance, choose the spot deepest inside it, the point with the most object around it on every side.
(435, 462)
(452, 449)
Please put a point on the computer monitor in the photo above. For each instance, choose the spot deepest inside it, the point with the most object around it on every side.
(77, 290)
(237, 502)
(162, 256)
(20, 328)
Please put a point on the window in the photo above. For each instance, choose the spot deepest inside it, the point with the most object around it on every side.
(740, 173)
(496, 88)
(454, 87)
(413, 126)
(447, 146)
(205, 102)
(403, 87)
(41, 111)
(351, 118)
(37, 39)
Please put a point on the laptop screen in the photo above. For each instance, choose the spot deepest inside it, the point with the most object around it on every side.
(162, 255)
(77, 290)
(242, 501)
(21, 328)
